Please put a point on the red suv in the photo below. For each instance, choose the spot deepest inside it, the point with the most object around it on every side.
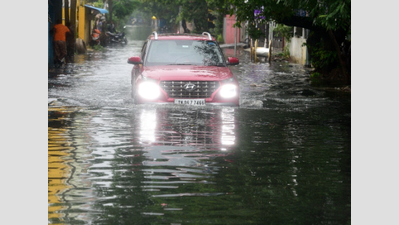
(183, 69)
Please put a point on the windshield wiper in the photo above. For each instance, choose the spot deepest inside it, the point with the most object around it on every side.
(215, 64)
(220, 65)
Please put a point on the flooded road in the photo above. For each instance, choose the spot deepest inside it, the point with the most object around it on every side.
(282, 157)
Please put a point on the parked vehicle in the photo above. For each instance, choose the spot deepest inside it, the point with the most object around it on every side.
(183, 69)
(95, 37)
(118, 37)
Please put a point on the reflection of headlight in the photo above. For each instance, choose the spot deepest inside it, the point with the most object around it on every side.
(228, 91)
(148, 90)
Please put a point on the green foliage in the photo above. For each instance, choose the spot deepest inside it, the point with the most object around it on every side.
(196, 11)
(120, 9)
(218, 30)
(284, 31)
(220, 38)
(318, 16)
(315, 75)
(96, 3)
(285, 53)
(254, 32)
(336, 14)
(221, 6)
(123, 8)
(161, 9)
(174, 11)
(322, 58)
(316, 78)
(328, 14)
(98, 48)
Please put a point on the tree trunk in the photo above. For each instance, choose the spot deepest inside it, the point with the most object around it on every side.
(338, 50)
(184, 25)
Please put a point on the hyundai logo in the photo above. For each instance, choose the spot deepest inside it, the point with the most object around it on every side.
(189, 87)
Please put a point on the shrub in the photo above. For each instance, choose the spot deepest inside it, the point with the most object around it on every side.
(220, 38)
(98, 47)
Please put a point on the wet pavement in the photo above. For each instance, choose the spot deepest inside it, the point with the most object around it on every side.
(282, 157)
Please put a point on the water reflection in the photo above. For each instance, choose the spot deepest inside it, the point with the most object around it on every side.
(180, 126)
(59, 152)
(148, 126)
(228, 127)
(171, 155)
(58, 172)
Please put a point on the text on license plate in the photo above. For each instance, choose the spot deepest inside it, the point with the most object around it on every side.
(190, 101)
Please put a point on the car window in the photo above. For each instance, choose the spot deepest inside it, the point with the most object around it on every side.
(184, 52)
(143, 50)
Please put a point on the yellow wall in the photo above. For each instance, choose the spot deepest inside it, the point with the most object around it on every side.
(82, 18)
(81, 23)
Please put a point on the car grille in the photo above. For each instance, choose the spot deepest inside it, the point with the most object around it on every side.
(178, 89)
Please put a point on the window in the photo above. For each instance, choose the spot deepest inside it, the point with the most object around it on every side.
(184, 52)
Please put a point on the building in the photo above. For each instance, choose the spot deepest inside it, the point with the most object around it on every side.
(84, 15)
(229, 31)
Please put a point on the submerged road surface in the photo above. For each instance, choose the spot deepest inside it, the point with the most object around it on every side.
(282, 157)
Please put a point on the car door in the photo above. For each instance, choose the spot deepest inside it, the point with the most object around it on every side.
(137, 69)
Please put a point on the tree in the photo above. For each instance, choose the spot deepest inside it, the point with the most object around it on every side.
(167, 10)
(118, 9)
(195, 11)
(174, 11)
(328, 21)
(123, 8)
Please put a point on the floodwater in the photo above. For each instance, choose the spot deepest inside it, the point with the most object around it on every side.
(282, 157)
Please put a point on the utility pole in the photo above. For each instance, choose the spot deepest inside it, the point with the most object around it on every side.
(180, 23)
(66, 12)
(235, 37)
(270, 41)
(73, 23)
(73, 14)
(267, 38)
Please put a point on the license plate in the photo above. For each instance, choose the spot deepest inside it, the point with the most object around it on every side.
(190, 101)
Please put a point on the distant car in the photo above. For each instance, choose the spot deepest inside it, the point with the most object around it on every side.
(183, 69)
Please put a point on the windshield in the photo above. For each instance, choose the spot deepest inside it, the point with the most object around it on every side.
(184, 52)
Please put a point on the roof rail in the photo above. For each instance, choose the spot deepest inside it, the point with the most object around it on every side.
(209, 35)
(155, 34)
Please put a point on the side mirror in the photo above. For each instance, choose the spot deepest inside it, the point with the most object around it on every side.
(134, 60)
(232, 61)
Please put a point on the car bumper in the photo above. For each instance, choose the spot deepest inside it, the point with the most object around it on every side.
(172, 103)
(216, 98)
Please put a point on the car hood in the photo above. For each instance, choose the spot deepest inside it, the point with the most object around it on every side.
(187, 72)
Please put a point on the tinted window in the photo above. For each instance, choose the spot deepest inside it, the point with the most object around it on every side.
(184, 52)
(143, 49)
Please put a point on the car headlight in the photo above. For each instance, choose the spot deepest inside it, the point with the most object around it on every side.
(228, 91)
(148, 90)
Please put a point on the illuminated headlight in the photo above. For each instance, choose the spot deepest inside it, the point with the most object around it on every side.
(228, 90)
(148, 90)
